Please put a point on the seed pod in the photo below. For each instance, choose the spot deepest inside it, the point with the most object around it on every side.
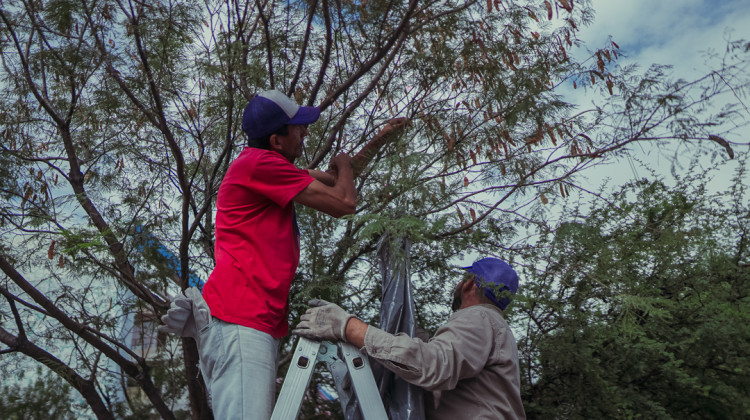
(549, 9)
(532, 14)
(551, 133)
(51, 250)
(599, 61)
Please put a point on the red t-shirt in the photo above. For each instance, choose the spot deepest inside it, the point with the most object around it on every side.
(257, 242)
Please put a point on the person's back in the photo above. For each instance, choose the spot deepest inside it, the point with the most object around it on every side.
(493, 393)
(257, 241)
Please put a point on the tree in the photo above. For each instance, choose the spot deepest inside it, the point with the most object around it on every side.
(48, 396)
(119, 119)
(640, 308)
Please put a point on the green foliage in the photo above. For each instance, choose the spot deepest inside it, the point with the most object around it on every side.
(117, 116)
(642, 309)
(47, 396)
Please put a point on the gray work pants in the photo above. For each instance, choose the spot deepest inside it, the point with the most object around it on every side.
(239, 366)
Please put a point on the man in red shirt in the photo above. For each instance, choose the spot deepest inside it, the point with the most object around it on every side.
(257, 252)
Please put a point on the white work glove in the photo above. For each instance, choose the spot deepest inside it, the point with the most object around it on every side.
(324, 321)
(187, 315)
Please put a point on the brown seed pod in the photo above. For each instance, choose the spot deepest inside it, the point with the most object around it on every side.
(51, 250)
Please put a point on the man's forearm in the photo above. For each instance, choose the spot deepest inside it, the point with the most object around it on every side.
(355, 332)
(325, 177)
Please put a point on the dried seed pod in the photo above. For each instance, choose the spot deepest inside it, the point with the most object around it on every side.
(51, 250)
(551, 133)
(723, 143)
(531, 13)
(599, 61)
(549, 9)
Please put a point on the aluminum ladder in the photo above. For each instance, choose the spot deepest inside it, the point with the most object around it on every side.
(358, 393)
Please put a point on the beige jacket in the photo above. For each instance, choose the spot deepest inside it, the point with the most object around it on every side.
(470, 365)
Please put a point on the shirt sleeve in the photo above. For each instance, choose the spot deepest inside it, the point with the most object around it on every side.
(460, 349)
(278, 180)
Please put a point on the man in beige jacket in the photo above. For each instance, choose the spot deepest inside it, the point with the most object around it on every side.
(470, 365)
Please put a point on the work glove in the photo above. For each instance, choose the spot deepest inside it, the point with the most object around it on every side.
(187, 315)
(324, 321)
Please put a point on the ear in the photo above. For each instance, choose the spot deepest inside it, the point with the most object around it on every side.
(274, 142)
(468, 285)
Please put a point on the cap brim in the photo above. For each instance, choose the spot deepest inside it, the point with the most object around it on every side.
(305, 115)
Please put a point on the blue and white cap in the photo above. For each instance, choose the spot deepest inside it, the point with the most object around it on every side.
(268, 111)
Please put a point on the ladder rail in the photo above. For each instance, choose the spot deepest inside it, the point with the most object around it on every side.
(364, 383)
(352, 375)
(297, 380)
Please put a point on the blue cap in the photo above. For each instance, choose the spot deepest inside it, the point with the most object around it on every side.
(268, 111)
(495, 275)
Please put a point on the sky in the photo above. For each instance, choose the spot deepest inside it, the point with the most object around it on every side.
(673, 32)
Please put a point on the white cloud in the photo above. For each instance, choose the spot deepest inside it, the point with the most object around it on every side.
(673, 32)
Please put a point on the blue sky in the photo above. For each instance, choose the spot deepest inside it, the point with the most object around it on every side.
(674, 32)
(669, 31)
